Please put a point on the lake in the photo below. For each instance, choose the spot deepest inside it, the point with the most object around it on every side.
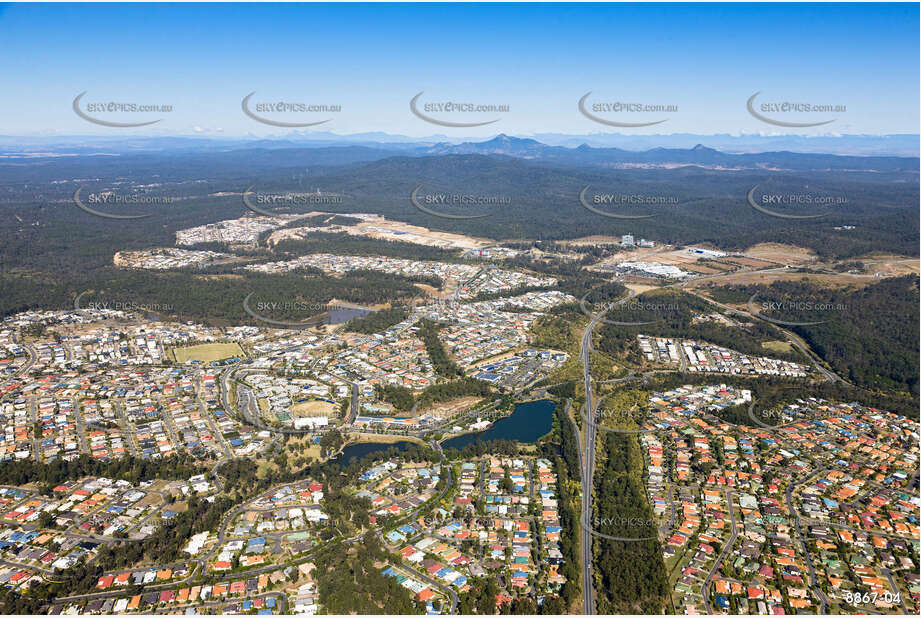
(354, 452)
(527, 422)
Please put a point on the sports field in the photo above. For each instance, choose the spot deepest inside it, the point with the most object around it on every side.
(314, 407)
(206, 352)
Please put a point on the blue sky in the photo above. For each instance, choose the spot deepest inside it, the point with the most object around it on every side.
(538, 59)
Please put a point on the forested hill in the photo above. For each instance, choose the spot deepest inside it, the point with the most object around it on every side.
(869, 334)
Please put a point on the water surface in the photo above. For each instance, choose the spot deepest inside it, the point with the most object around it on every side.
(528, 422)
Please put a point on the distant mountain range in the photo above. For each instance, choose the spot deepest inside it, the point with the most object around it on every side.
(699, 155)
(540, 184)
(320, 153)
(899, 145)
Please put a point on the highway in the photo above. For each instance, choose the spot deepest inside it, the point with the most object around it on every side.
(588, 469)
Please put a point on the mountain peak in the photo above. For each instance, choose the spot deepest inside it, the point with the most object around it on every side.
(502, 138)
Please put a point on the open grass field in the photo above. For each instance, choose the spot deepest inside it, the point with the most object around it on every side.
(778, 346)
(206, 352)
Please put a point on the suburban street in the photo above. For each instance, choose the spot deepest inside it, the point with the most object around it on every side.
(726, 549)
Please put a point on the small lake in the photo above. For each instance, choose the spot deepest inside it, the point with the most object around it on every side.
(527, 422)
(340, 315)
(355, 452)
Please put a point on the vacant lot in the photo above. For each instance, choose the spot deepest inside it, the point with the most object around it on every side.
(778, 346)
(748, 262)
(448, 409)
(357, 437)
(707, 269)
(890, 265)
(776, 252)
(207, 352)
(592, 240)
(747, 278)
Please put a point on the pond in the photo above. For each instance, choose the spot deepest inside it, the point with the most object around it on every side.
(356, 452)
(528, 422)
(340, 315)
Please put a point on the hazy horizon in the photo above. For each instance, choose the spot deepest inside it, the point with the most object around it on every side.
(902, 145)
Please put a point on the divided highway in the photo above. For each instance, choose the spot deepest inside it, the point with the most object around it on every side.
(588, 470)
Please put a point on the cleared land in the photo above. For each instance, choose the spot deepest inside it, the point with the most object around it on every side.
(889, 265)
(747, 262)
(778, 346)
(639, 288)
(593, 240)
(744, 278)
(376, 226)
(451, 408)
(358, 438)
(788, 254)
(705, 269)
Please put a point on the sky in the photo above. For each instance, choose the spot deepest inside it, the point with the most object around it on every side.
(704, 61)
